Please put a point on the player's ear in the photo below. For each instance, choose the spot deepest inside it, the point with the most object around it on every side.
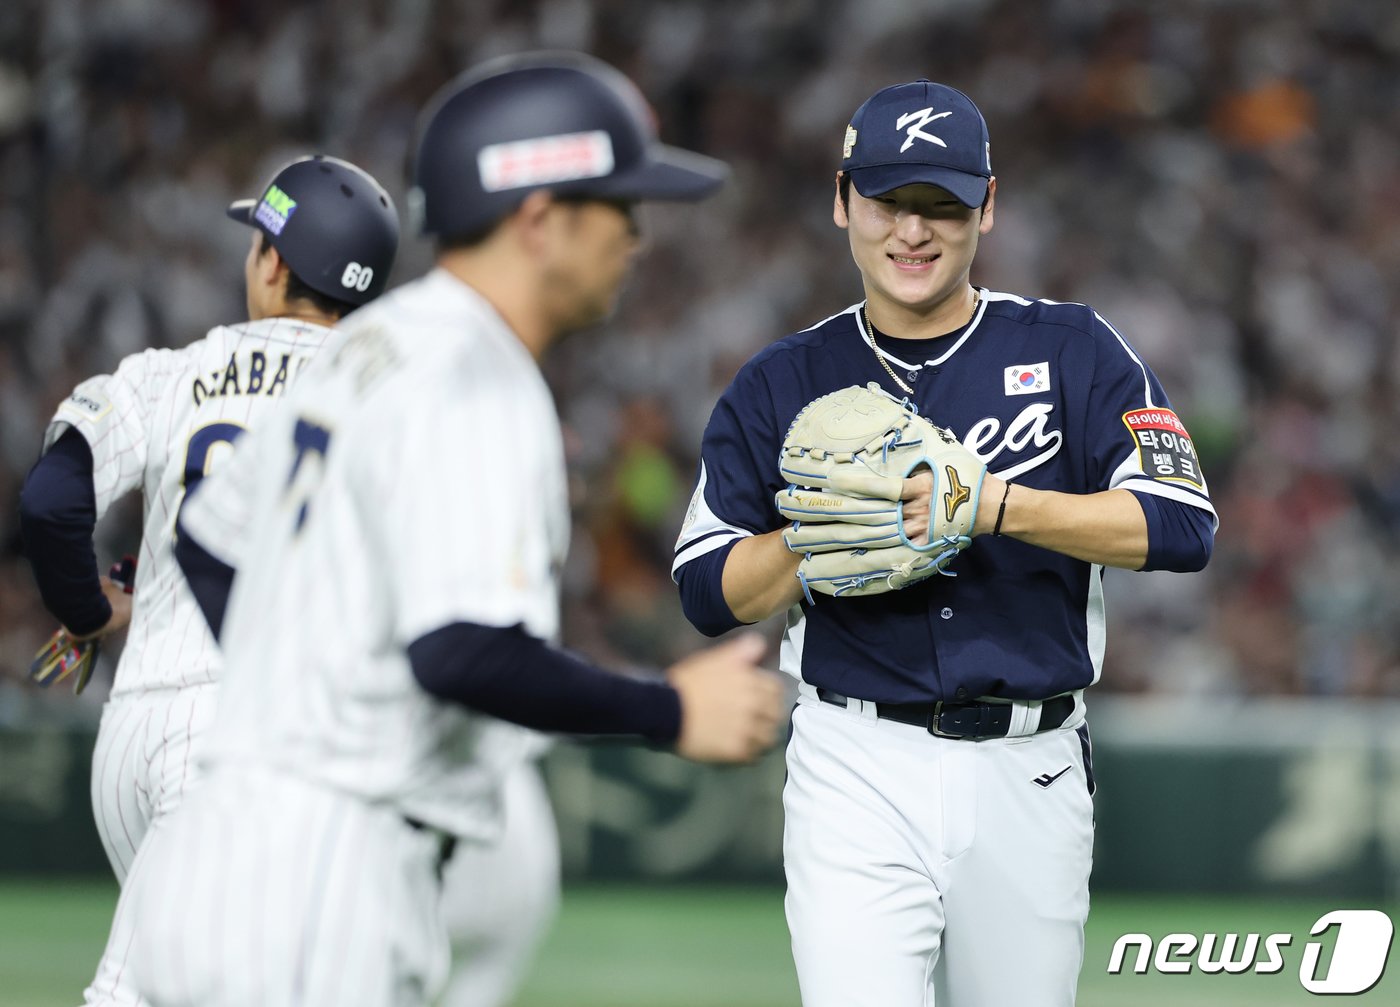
(267, 264)
(988, 206)
(534, 219)
(840, 207)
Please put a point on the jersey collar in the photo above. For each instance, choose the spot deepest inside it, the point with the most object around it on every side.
(869, 337)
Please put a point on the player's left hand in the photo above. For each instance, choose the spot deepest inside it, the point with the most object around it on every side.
(66, 654)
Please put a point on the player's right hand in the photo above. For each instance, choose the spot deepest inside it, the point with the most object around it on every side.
(62, 656)
(67, 653)
(918, 503)
(119, 597)
(731, 709)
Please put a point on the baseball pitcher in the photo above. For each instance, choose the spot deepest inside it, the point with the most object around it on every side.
(930, 484)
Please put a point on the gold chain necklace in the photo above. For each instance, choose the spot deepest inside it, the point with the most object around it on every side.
(870, 329)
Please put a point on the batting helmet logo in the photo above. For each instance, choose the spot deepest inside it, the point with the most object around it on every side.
(546, 160)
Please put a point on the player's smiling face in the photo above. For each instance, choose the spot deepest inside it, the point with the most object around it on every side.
(914, 247)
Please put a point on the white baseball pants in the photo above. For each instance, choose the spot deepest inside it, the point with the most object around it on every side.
(144, 762)
(498, 901)
(929, 871)
(268, 890)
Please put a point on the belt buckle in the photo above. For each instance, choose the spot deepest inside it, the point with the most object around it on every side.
(935, 726)
(967, 728)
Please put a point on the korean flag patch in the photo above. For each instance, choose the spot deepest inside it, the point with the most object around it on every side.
(1027, 379)
(1164, 447)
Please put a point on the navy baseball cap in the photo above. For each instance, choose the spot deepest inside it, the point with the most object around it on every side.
(920, 132)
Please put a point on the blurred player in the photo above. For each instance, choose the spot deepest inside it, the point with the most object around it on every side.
(939, 820)
(499, 898)
(324, 238)
(397, 534)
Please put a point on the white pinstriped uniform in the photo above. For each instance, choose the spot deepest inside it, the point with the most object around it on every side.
(498, 900)
(415, 480)
(161, 416)
(140, 423)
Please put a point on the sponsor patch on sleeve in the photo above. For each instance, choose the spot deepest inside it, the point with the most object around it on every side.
(84, 405)
(691, 513)
(1164, 447)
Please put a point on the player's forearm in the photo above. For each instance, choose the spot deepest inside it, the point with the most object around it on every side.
(1106, 528)
(57, 514)
(507, 673)
(760, 578)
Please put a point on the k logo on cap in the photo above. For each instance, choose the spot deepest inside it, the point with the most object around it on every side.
(913, 123)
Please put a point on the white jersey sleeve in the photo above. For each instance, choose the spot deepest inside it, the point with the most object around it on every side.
(115, 414)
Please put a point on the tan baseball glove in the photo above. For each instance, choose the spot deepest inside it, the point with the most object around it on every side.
(846, 457)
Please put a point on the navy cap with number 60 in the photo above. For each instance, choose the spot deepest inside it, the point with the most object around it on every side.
(332, 223)
(921, 132)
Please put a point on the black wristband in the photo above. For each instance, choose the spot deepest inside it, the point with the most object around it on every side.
(1001, 512)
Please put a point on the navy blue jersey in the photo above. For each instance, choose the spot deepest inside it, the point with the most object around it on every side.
(1048, 395)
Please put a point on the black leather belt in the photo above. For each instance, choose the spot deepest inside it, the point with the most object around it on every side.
(969, 721)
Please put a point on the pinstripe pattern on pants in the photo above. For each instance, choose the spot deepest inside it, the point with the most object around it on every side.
(145, 761)
(282, 893)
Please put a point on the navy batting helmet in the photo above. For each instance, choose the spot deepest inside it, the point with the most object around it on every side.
(559, 121)
(334, 226)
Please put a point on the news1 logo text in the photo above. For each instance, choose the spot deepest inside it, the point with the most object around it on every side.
(1360, 949)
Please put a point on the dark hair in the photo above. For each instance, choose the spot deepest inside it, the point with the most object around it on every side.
(844, 184)
(297, 290)
(460, 242)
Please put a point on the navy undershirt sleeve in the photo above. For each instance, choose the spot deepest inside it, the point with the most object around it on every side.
(210, 578)
(510, 674)
(57, 513)
(701, 583)
(1180, 537)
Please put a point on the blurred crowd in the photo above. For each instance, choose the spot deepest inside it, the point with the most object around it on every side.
(1219, 178)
